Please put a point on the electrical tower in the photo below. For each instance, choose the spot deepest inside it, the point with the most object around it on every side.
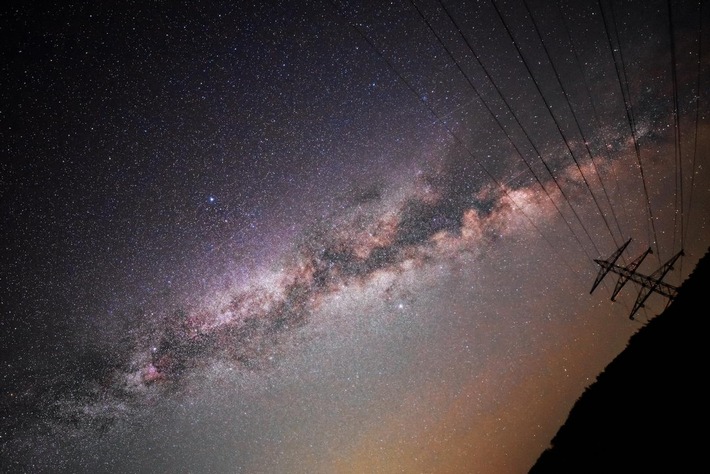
(649, 284)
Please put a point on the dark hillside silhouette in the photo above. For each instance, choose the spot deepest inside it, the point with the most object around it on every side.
(648, 410)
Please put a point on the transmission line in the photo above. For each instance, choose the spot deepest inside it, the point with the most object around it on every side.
(548, 107)
(697, 108)
(520, 125)
(626, 97)
(579, 128)
(595, 113)
(677, 135)
(495, 118)
(453, 135)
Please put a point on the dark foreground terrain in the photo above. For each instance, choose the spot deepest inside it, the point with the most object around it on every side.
(648, 410)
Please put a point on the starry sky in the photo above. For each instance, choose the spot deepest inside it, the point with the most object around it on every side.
(332, 236)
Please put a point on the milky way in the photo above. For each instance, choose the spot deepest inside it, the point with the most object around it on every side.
(351, 253)
(331, 237)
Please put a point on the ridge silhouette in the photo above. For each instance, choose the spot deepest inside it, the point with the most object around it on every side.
(647, 411)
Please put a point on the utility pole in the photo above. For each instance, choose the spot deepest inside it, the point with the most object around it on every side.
(649, 284)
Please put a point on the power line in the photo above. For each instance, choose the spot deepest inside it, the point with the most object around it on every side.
(629, 112)
(677, 135)
(453, 135)
(697, 108)
(520, 125)
(548, 107)
(579, 128)
(495, 118)
(595, 113)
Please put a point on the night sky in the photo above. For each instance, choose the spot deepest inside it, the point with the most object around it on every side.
(332, 237)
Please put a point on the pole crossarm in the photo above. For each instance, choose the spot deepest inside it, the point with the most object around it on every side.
(649, 284)
(611, 261)
(660, 287)
(656, 280)
(631, 268)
